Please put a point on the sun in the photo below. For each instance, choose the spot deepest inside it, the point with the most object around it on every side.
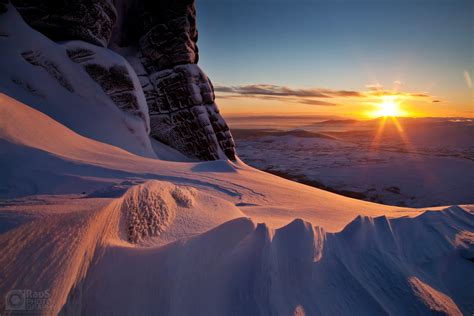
(388, 107)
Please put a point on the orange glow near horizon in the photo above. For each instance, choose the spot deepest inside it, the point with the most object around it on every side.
(364, 106)
(388, 107)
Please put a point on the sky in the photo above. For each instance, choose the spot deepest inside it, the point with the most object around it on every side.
(340, 57)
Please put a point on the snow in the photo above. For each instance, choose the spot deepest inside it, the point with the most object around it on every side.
(159, 212)
(108, 59)
(88, 103)
(56, 160)
(90, 216)
(433, 299)
(432, 166)
(200, 246)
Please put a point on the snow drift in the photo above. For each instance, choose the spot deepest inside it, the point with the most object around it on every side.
(373, 266)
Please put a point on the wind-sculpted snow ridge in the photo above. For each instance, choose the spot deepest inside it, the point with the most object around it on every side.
(231, 265)
(374, 266)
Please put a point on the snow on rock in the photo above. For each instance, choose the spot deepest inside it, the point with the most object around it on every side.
(90, 21)
(164, 34)
(115, 76)
(36, 59)
(168, 34)
(39, 72)
(180, 97)
(183, 113)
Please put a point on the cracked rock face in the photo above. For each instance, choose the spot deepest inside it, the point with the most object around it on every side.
(180, 97)
(88, 20)
(163, 35)
(183, 113)
(168, 34)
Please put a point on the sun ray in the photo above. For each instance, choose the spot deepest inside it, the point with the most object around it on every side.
(378, 134)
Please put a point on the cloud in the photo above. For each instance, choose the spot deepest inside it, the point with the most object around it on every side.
(310, 96)
(278, 98)
(436, 101)
(283, 91)
(316, 102)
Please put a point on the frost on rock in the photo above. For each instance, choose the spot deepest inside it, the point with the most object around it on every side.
(180, 97)
(162, 36)
(169, 34)
(147, 212)
(183, 113)
(88, 20)
(35, 58)
(113, 74)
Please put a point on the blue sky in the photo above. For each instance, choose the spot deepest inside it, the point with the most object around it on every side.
(425, 45)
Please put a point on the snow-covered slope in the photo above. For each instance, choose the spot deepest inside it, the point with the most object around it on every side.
(190, 243)
(42, 156)
(82, 256)
(93, 223)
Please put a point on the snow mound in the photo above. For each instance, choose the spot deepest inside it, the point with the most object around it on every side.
(158, 212)
(148, 211)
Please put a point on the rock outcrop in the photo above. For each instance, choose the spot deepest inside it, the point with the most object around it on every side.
(114, 75)
(87, 20)
(162, 36)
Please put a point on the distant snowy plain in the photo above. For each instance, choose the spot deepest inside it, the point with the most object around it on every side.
(422, 162)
